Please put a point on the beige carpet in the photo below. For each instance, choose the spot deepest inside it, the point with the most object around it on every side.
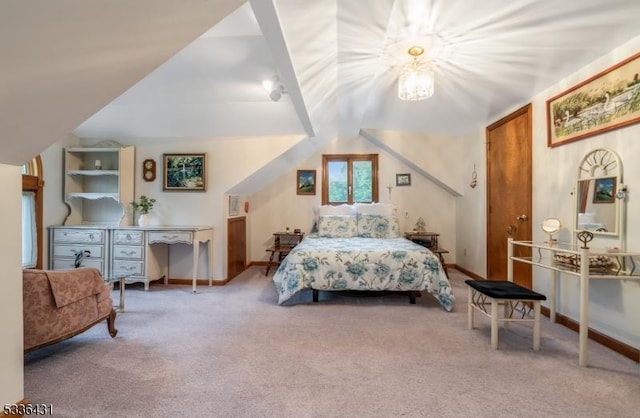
(231, 351)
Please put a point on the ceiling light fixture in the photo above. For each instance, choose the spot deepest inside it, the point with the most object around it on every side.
(274, 87)
(416, 81)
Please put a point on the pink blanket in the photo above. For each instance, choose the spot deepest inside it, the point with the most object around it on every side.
(68, 286)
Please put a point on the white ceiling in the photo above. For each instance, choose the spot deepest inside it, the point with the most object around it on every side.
(193, 69)
(345, 56)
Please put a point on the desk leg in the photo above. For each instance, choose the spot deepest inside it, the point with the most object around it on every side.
(121, 306)
(196, 256)
(584, 307)
(210, 260)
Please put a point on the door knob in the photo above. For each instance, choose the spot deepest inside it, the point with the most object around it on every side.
(522, 218)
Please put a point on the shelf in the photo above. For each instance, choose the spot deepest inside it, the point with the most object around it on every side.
(93, 196)
(93, 172)
(89, 149)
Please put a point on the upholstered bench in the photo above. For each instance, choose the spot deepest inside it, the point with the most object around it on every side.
(512, 296)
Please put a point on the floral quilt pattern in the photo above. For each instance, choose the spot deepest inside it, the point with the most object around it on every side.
(362, 264)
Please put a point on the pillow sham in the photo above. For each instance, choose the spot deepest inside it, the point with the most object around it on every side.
(377, 226)
(337, 226)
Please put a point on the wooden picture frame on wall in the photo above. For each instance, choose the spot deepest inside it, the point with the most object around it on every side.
(609, 100)
(403, 179)
(184, 172)
(306, 182)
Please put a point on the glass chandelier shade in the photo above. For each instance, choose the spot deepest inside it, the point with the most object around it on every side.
(416, 82)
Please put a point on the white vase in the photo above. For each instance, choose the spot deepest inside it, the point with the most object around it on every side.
(143, 220)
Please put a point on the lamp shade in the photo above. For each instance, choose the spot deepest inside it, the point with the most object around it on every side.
(416, 82)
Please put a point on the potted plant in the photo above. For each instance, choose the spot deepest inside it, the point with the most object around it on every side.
(144, 205)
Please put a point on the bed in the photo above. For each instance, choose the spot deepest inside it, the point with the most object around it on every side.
(360, 251)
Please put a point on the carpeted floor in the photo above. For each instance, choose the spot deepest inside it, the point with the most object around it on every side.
(231, 351)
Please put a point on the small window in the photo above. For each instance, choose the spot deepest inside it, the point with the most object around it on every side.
(349, 178)
(32, 192)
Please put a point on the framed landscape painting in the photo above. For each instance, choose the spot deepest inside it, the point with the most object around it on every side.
(306, 184)
(185, 172)
(606, 101)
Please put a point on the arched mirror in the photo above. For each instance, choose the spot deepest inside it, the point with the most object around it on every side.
(600, 193)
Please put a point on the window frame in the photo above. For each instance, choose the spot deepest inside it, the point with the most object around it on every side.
(32, 181)
(349, 158)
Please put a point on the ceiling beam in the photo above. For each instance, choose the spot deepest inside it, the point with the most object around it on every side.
(269, 22)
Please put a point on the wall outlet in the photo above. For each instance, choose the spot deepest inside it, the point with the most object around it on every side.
(406, 215)
(464, 252)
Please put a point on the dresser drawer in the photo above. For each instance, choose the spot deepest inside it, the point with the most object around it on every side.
(131, 252)
(70, 250)
(128, 267)
(128, 237)
(67, 264)
(82, 236)
(170, 237)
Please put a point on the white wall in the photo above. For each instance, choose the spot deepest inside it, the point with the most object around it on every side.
(11, 348)
(613, 306)
(277, 206)
(229, 161)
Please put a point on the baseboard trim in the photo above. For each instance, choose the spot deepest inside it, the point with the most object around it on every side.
(609, 342)
(199, 282)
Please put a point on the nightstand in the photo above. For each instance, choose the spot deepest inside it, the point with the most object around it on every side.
(283, 242)
(430, 241)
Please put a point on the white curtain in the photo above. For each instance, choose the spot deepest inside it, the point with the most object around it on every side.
(29, 247)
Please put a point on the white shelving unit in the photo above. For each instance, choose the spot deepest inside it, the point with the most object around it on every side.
(99, 196)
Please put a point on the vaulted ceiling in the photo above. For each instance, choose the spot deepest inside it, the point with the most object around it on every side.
(193, 69)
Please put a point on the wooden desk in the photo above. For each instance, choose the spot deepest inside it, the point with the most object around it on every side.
(283, 242)
(139, 253)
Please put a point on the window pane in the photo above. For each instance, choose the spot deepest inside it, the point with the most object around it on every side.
(362, 181)
(337, 173)
(29, 248)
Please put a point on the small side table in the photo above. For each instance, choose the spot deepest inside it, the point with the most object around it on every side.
(283, 242)
(439, 251)
(426, 239)
(120, 279)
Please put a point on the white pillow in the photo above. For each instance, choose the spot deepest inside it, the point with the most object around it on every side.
(384, 209)
(343, 209)
(587, 218)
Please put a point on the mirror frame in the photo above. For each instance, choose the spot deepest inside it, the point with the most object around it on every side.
(599, 164)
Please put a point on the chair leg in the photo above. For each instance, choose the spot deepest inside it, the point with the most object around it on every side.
(470, 308)
(536, 325)
(494, 324)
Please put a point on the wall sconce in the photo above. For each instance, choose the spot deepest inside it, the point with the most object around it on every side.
(474, 178)
(274, 87)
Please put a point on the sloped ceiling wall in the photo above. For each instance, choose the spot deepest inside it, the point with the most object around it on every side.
(61, 61)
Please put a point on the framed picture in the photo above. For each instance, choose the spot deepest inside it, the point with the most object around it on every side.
(604, 190)
(185, 172)
(306, 183)
(609, 100)
(403, 179)
(234, 205)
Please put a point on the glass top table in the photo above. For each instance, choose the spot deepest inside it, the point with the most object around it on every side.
(120, 279)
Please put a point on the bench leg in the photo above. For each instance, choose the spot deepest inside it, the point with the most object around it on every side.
(536, 325)
(470, 308)
(494, 324)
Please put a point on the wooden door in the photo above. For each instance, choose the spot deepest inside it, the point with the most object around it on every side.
(236, 246)
(509, 193)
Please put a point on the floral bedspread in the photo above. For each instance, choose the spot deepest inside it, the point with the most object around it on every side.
(362, 264)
